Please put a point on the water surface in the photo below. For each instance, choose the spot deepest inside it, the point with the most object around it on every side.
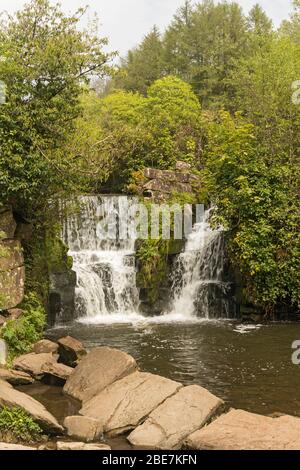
(249, 366)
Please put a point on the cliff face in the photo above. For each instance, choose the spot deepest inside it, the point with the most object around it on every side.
(12, 270)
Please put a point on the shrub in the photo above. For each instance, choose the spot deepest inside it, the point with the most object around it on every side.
(20, 334)
(17, 425)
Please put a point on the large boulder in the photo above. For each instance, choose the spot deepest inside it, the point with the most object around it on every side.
(12, 284)
(100, 368)
(83, 428)
(15, 377)
(81, 446)
(126, 403)
(45, 346)
(241, 430)
(57, 371)
(33, 363)
(71, 351)
(13, 398)
(176, 418)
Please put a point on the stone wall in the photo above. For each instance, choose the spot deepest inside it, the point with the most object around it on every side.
(12, 270)
(159, 185)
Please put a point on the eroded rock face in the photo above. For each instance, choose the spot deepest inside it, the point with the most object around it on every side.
(71, 351)
(100, 368)
(126, 403)
(83, 428)
(13, 398)
(15, 377)
(169, 424)
(240, 430)
(7, 222)
(33, 363)
(81, 446)
(45, 346)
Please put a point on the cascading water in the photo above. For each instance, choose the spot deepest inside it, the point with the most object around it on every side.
(198, 282)
(105, 266)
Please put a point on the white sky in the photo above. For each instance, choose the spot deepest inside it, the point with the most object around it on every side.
(125, 22)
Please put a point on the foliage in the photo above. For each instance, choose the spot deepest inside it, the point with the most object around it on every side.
(255, 202)
(17, 425)
(137, 131)
(22, 333)
(200, 46)
(46, 61)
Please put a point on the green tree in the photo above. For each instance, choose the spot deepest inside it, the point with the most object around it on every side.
(46, 62)
(142, 65)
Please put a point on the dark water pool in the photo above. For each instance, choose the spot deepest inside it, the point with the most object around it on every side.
(248, 366)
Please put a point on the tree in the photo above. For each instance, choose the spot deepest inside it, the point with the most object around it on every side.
(143, 65)
(258, 21)
(46, 63)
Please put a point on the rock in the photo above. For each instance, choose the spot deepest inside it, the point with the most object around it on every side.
(3, 352)
(24, 231)
(33, 363)
(11, 255)
(12, 287)
(163, 186)
(100, 368)
(3, 320)
(13, 398)
(14, 313)
(57, 370)
(81, 446)
(241, 430)
(62, 297)
(177, 417)
(182, 166)
(71, 351)
(7, 222)
(15, 377)
(126, 403)
(45, 346)
(83, 428)
(5, 446)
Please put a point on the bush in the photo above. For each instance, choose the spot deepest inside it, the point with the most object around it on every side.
(22, 333)
(17, 425)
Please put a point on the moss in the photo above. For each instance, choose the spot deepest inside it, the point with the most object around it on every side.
(18, 426)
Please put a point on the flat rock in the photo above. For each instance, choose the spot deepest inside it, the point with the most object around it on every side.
(5, 446)
(15, 377)
(81, 446)
(83, 428)
(100, 368)
(57, 370)
(71, 351)
(33, 363)
(241, 430)
(170, 423)
(13, 398)
(45, 346)
(126, 403)
(14, 313)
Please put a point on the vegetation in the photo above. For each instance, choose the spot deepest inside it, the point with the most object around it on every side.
(18, 426)
(20, 334)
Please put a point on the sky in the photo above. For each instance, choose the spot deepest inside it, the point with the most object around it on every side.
(125, 22)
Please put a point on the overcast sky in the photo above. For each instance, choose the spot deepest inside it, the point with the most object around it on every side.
(125, 22)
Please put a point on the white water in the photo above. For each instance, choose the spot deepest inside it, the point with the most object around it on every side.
(105, 268)
(198, 286)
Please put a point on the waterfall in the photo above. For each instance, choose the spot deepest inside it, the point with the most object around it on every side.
(105, 266)
(198, 284)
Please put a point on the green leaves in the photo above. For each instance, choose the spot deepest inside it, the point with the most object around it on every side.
(16, 424)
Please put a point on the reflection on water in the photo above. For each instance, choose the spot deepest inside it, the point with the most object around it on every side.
(250, 367)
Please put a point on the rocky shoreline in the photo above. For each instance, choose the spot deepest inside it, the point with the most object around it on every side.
(116, 399)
